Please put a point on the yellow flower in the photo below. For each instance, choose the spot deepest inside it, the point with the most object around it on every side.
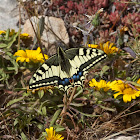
(30, 55)
(108, 48)
(102, 84)
(52, 136)
(2, 32)
(138, 82)
(12, 32)
(24, 36)
(127, 91)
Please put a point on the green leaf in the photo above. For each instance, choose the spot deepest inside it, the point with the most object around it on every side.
(16, 122)
(78, 93)
(9, 54)
(13, 39)
(51, 91)
(44, 111)
(3, 45)
(3, 75)
(60, 105)
(39, 112)
(40, 126)
(43, 136)
(15, 65)
(23, 136)
(104, 69)
(7, 57)
(41, 93)
(7, 34)
(43, 104)
(77, 104)
(96, 20)
(55, 117)
(14, 101)
(107, 108)
(10, 68)
(59, 128)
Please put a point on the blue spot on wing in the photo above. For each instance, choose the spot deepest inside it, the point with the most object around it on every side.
(66, 81)
(78, 77)
(80, 73)
(74, 77)
(63, 83)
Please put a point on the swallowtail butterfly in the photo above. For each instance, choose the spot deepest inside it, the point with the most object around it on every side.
(66, 68)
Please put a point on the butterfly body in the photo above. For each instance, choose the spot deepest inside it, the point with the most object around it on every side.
(66, 68)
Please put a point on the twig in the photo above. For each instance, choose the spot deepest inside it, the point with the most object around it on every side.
(130, 113)
(64, 109)
(38, 39)
(119, 115)
(66, 105)
(124, 131)
(19, 26)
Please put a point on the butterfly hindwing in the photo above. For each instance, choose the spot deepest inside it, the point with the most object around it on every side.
(67, 68)
(82, 60)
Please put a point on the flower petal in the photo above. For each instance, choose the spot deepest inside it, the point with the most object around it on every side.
(138, 81)
(52, 136)
(117, 94)
(38, 50)
(125, 98)
(20, 53)
(22, 59)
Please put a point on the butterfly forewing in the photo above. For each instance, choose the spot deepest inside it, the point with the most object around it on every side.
(47, 74)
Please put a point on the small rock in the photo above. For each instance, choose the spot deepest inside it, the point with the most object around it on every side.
(48, 37)
(9, 14)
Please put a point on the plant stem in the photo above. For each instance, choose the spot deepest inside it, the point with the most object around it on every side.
(66, 104)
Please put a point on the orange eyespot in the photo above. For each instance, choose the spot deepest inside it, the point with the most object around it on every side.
(71, 80)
